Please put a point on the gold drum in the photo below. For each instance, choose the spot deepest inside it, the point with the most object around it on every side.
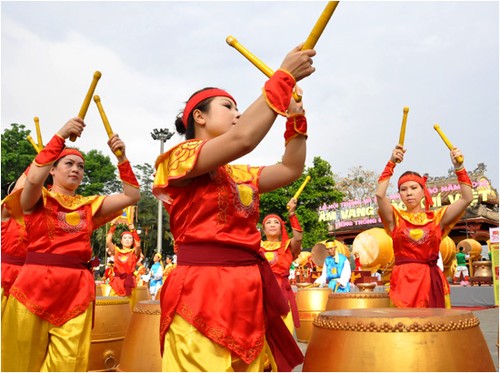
(310, 303)
(141, 348)
(139, 293)
(340, 301)
(397, 339)
(472, 247)
(111, 320)
(447, 248)
(374, 247)
(482, 268)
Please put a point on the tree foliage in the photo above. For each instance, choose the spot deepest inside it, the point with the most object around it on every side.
(17, 154)
(320, 190)
(359, 184)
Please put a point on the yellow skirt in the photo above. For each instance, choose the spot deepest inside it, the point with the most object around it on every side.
(30, 343)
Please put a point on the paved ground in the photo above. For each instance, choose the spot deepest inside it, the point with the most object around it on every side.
(488, 319)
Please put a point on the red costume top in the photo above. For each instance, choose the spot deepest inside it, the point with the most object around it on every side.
(56, 282)
(123, 280)
(14, 243)
(416, 280)
(215, 217)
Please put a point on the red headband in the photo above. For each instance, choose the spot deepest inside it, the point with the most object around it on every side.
(199, 97)
(126, 232)
(70, 151)
(422, 182)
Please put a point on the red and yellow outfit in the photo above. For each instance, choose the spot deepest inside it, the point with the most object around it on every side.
(123, 280)
(280, 259)
(14, 245)
(217, 284)
(167, 271)
(416, 280)
(55, 284)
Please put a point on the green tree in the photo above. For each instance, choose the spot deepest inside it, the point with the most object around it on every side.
(359, 184)
(319, 191)
(17, 154)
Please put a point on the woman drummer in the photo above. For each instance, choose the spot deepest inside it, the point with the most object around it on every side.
(417, 231)
(48, 317)
(216, 313)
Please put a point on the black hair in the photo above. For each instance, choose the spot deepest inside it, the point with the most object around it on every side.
(202, 106)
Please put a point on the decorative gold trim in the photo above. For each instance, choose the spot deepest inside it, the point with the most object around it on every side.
(329, 322)
(147, 311)
(360, 295)
(111, 302)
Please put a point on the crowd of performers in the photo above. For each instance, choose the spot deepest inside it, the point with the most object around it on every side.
(227, 305)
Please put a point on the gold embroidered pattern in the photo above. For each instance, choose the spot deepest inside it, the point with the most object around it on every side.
(219, 336)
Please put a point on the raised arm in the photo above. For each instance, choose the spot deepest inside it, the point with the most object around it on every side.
(131, 193)
(457, 208)
(109, 240)
(384, 204)
(251, 127)
(41, 166)
(296, 240)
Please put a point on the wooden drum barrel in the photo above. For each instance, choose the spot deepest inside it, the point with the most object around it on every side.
(482, 268)
(397, 339)
(471, 247)
(111, 320)
(448, 249)
(358, 299)
(310, 303)
(139, 293)
(374, 247)
(141, 348)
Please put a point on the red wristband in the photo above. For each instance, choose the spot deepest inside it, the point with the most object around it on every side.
(127, 174)
(294, 222)
(135, 236)
(277, 91)
(463, 177)
(388, 171)
(295, 125)
(50, 152)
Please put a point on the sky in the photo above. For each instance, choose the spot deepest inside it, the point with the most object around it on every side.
(439, 58)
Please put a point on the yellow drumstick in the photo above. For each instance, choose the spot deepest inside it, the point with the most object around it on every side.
(105, 121)
(255, 61)
(460, 159)
(38, 132)
(299, 191)
(320, 25)
(406, 109)
(32, 142)
(86, 101)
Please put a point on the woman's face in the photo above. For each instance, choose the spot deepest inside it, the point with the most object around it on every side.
(272, 227)
(68, 173)
(411, 194)
(127, 240)
(221, 116)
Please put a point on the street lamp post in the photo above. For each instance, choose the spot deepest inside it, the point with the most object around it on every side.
(162, 134)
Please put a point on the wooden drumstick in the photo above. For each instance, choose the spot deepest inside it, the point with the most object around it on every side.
(38, 132)
(105, 121)
(255, 61)
(33, 144)
(86, 101)
(320, 25)
(460, 159)
(402, 132)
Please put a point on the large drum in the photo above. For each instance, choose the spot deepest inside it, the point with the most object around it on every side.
(141, 348)
(448, 249)
(311, 302)
(111, 320)
(471, 247)
(397, 339)
(357, 299)
(319, 252)
(139, 293)
(374, 247)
